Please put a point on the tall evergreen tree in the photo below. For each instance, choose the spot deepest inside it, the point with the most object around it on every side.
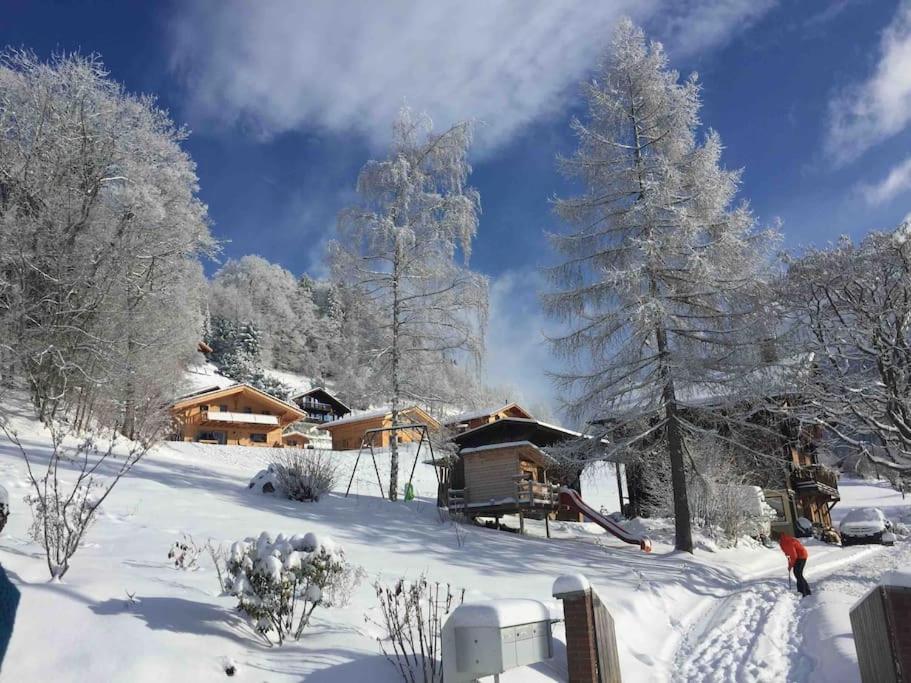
(656, 272)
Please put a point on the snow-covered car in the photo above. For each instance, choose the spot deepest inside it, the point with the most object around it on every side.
(866, 525)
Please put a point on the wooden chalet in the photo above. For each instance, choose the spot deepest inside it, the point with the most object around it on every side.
(238, 415)
(320, 406)
(473, 419)
(296, 439)
(348, 432)
(502, 467)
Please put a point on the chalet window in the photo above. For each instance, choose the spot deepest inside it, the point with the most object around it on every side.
(248, 410)
(223, 408)
(266, 412)
(203, 409)
(258, 438)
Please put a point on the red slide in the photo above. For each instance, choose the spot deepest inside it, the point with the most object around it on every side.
(572, 500)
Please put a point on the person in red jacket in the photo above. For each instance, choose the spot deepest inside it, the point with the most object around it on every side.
(797, 560)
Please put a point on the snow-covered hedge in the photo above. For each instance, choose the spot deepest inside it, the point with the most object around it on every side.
(280, 582)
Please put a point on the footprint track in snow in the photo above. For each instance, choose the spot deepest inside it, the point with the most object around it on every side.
(750, 635)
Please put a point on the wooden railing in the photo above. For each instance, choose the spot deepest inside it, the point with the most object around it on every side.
(814, 477)
(530, 492)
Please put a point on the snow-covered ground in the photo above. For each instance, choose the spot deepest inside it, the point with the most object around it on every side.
(125, 614)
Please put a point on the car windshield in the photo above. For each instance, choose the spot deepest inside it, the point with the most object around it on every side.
(864, 515)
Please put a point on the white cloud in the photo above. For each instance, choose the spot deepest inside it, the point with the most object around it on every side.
(896, 182)
(518, 357)
(867, 113)
(283, 64)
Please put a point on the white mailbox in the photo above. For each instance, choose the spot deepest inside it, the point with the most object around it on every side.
(486, 639)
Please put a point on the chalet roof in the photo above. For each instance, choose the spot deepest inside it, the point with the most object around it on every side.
(476, 414)
(353, 418)
(511, 429)
(218, 392)
(295, 432)
(324, 396)
(534, 452)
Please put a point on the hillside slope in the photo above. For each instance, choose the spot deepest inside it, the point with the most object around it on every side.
(125, 614)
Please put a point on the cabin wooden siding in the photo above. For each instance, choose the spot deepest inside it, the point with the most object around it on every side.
(189, 416)
(490, 475)
(349, 435)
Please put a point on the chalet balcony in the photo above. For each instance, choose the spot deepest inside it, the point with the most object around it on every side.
(815, 480)
(314, 405)
(218, 418)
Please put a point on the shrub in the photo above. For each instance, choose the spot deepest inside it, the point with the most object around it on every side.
(280, 582)
(305, 474)
(412, 618)
(185, 553)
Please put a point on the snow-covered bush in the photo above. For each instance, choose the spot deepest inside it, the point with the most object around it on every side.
(298, 474)
(412, 617)
(305, 474)
(280, 582)
(184, 553)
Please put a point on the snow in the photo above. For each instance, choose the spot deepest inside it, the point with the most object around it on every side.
(900, 578)
(125, 613)
(500, 613)
(570, 583)
(496, 446)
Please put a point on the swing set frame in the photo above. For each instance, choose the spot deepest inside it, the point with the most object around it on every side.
(368, 442)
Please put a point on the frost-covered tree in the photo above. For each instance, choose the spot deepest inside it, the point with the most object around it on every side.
(654, 287)
(254, 290)
(101, 232)
(852, 305)
(401, 245)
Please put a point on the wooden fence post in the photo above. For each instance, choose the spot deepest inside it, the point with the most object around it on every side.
(591, 641)
(881, 623)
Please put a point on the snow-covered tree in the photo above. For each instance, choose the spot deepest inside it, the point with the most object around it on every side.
(656, 278)
(102, 231)
(852, 305)
(281, 306)
(401, 245)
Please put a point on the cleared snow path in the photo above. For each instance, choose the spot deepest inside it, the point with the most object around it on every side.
(759, 631)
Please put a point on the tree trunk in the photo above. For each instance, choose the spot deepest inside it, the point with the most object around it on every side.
(393, 435)
(683, 534)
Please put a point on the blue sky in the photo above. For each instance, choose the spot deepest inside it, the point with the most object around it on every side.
(286, 100)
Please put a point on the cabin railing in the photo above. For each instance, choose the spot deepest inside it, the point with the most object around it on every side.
(814, 478)
(536, 493)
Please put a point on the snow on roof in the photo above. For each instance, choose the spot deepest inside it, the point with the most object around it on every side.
(476, 414)
(570, 583)
(357, 417)
(495, 446)
(366, 415)
(239, 385)
(500, 613)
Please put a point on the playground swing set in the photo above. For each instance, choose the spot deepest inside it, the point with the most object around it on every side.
(367, 442)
